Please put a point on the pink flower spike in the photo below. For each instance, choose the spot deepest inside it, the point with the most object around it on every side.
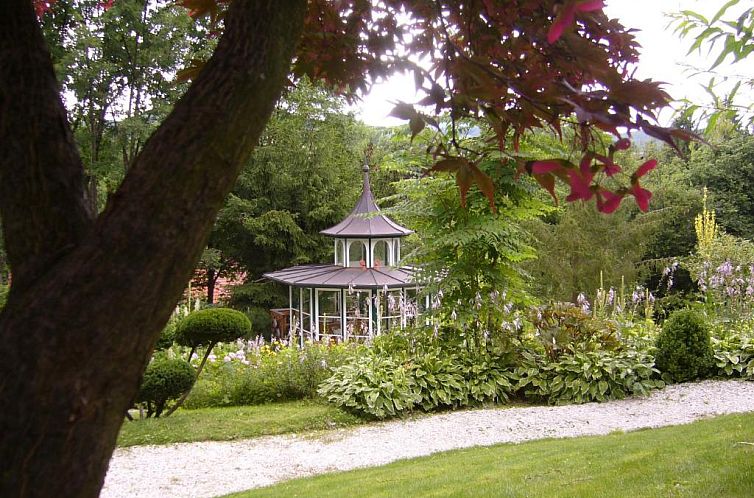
(622, 144)
(645, 168)
(642, 196)
(542, 167)
(608, 202)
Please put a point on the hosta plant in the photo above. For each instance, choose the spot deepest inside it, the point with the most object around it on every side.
(384, 386)
(734, 356)
(587, 376)
(371, 385)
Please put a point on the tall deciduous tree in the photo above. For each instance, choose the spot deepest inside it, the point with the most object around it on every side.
(91, 292)
(117, 68)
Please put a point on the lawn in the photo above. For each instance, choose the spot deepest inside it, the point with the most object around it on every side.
(710, 458)
(238, 422)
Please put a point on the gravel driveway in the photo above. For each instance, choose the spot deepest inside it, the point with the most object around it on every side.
(215, 468)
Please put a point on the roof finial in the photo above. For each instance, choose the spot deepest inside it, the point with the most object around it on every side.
(367, 157)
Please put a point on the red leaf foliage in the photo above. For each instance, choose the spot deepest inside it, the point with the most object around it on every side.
(42, 6)
(517, 65)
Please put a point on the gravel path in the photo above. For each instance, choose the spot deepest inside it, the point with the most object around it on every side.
(215, 468)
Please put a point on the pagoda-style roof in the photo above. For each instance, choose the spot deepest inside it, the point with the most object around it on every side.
(365, 220)
(339, 277)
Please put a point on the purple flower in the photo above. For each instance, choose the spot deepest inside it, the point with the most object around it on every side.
(582, 301)
(725, 269)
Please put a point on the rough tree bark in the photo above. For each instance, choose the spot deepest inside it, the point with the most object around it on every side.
(90, 296)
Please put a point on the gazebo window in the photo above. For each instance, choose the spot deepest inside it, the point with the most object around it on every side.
(357, 253)
(381, 254)
(396, 251)
(340, 252)
(328, 315)
(389, 306)
(357, 314)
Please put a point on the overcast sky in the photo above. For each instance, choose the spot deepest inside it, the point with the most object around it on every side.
(663, 57)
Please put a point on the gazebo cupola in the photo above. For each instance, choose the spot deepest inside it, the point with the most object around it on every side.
(364, 292)
(367, 238)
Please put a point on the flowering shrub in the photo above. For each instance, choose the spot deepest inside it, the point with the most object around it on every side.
(564, 328)
(616, 305)
(254, 371)
(728, 289)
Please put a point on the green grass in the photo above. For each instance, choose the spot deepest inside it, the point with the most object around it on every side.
(704, 459)
(238, 422)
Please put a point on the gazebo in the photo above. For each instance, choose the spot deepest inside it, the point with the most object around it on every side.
(364, 292)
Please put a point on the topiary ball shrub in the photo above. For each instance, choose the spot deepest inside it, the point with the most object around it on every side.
(211, 325)
(684, 350)
(167, 337)
(164, 380)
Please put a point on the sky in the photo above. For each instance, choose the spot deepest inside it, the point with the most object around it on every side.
(663, 57)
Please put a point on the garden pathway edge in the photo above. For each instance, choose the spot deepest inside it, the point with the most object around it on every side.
(206, 469)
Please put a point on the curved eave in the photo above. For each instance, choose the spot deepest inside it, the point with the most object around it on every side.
(358, 226)
(338, 277)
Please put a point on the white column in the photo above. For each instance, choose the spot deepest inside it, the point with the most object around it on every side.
(369, 315)
(290, 313)
(315, 317)
(343, 319)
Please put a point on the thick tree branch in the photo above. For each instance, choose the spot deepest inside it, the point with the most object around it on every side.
(41, 176)
(105, 302)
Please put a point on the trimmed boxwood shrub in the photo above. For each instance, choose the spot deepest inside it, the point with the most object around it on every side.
(207, 327)
(164, 380)
(212, 325)
(684, 350)
(167, 337)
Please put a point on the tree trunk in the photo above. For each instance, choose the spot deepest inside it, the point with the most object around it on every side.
(211, 280)
(89, 298)
(183, 397)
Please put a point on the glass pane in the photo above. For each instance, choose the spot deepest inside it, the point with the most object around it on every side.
(357, 255)
(329, 314)
(381, 254)
(389, 309)
(357, 314)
